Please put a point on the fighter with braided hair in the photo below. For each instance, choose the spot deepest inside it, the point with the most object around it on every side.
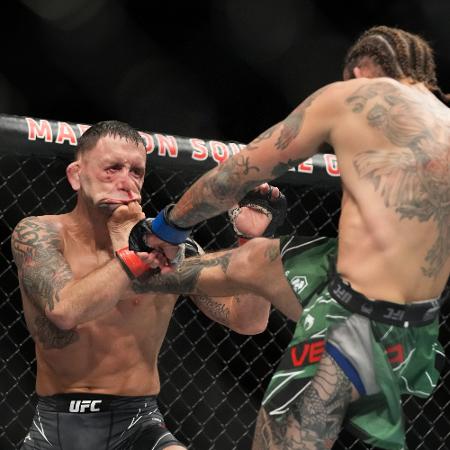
(396, 54)
(367, 309)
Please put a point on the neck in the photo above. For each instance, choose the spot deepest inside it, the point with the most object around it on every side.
(408, 81)
(89, 225)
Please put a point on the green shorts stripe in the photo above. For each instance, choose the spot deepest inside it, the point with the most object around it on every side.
(401, 360)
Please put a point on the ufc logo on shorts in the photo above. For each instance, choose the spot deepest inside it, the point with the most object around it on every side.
(342, 294)
(394, 314)
(81, 406)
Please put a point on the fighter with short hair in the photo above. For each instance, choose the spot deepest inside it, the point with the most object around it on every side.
(97, 341)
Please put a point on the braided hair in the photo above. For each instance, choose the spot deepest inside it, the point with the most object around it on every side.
(399, 54)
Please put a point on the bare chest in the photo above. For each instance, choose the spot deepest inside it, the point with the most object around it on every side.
(133, 310)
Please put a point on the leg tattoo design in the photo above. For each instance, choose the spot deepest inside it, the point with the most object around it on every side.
(315, 420)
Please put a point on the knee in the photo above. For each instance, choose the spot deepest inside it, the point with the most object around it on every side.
(249, 263)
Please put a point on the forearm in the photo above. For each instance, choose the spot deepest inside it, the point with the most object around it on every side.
(205, 275)
(216, 191)
(82, 300)
(48, 281)
(282, 146)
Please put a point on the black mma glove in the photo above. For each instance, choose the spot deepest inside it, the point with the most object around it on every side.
(192, 248)
(136, 240)
(137, 243)
(275, 209)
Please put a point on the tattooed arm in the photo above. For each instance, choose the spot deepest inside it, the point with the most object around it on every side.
(284, 145)
(47, 281)
(256, 268)
(245, 313)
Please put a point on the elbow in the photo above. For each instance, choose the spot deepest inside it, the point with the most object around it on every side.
(60, 317)
(250, 328)
(251, 331)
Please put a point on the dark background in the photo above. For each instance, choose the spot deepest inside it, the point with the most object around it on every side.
(224, 69)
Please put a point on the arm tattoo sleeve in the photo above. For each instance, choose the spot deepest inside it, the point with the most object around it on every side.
(43, 272)
(216, 191)
(213, 307)
(42, 269)
(185, 279)
(219, 189)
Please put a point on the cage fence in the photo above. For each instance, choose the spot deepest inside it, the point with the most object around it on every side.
(212, 379)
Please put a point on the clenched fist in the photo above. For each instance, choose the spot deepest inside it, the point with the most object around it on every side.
(121, 222)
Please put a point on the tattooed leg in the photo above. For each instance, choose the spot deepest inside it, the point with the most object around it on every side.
(315, 420)
(268, 434)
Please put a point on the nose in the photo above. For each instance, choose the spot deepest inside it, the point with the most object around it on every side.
(127, 186)
(124, 181)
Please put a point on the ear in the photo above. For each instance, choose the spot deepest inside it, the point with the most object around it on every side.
(358, 72)
(73, 175)
(368, 69)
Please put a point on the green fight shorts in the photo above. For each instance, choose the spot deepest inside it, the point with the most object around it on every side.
(385, 349)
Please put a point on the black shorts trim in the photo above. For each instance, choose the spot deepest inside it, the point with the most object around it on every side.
(97, 422)
(402, 315)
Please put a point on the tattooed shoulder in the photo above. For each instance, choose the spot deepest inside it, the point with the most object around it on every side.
(32, 232)
(368, 90)
(292, 125)
(43, 271)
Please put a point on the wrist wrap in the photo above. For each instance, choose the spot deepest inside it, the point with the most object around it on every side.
(167, 230)
(131, 263)
(242, 241)
(274, 208)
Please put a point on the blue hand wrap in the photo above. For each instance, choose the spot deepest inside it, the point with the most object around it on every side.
(167, 231)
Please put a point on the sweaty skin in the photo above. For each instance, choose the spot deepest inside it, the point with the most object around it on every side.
(393, 148)
(392, 142)
(115, 353)
(93, 332)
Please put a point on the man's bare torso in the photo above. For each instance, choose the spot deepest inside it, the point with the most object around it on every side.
(115, 354)
(393, 149)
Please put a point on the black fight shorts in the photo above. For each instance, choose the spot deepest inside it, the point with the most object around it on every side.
(97, 422)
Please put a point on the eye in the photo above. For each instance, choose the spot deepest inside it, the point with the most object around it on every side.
(113, 168)
(139, 172)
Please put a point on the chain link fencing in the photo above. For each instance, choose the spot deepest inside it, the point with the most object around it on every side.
(212, 379)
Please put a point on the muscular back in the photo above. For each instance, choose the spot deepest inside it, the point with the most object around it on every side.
(392, 143)
(393, 148)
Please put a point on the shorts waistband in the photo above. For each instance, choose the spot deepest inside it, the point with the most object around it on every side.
(92, 403)
(412, 314)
